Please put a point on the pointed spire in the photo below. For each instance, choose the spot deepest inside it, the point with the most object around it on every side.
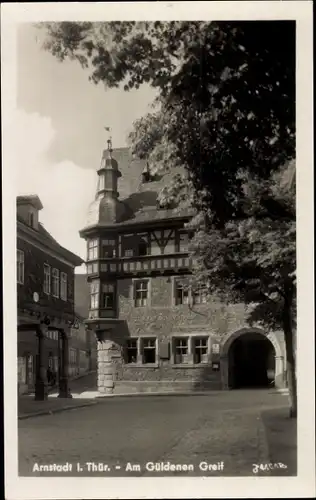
(109, 142)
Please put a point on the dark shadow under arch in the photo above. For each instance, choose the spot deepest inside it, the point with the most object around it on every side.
(251, 362)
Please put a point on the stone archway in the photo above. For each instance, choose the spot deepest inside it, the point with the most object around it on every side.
(230, 339)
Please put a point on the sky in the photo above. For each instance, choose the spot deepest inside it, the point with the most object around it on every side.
(60, 134)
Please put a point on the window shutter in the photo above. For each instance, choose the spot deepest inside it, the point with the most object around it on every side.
(165, 350)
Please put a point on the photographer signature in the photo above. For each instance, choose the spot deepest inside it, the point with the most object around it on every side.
(267, 467)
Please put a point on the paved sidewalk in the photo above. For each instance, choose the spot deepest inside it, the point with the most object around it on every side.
(28, 407)
(281, 437)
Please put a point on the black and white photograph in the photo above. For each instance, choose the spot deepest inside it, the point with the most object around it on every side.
(158, 223)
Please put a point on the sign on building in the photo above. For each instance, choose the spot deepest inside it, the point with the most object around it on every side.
(215, 348)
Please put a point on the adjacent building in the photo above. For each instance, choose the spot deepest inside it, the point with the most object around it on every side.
(48, 328)
(155, 332)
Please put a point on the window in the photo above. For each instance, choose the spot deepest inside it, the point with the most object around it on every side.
(183, 242)
(63, 286)
(92, 268)
(47, 279)
(108, 249)
(143, 248)
(93, 247)
(200, 349)
(141, 293)
(31, 219)
(94, 294)
(149, 350)
(20, 266)
(55, 279)
(22, 370)
(107, 297)
(131, 351)
(181, 293)
(128, 252)
(200, 295)
(181, 350)
(72, 356)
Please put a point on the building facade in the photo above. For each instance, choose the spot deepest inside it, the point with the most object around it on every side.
(155, 332)
(45, 304)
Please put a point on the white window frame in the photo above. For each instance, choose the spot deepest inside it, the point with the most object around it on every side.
(136, 283)
(95, 294)
(198, 338)
(132, 339)
(20, 266)
(184, 356)
(55, 282)
(199, 295)
(194, 296)
(93, 249)
(47, 279)
(185, 293)
(110, 244)
(63, 286)
(182, 234)
(129, 252)
(143, 348)
(107, 289)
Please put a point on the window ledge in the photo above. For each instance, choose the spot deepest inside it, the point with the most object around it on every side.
(142, 365)
(190, 365)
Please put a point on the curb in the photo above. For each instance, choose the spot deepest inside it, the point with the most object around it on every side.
(148, 394)
(55, 410)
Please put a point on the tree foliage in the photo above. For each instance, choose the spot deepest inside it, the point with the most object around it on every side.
(228, 88)
(225, 113)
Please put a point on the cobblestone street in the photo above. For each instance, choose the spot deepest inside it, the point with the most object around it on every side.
(225, 427)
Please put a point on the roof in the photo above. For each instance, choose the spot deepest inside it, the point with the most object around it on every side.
(137, 203)
(31, 199)
(47, 239)
(81, 295)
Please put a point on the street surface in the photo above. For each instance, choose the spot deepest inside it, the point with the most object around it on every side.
(214, 434)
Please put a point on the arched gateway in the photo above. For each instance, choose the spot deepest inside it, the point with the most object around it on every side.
(251, 358)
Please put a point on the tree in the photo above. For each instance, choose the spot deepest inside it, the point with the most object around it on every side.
(253, 260)
(225, 113)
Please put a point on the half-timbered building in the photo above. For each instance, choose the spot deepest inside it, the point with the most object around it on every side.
(154, 332)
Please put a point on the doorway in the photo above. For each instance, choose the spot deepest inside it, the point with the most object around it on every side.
(251, 360)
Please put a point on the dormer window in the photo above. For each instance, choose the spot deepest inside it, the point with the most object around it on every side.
(31, 219)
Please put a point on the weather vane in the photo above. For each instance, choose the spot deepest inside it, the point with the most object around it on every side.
(109, 141)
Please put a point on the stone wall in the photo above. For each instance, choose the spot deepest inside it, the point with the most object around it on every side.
(163, 320)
